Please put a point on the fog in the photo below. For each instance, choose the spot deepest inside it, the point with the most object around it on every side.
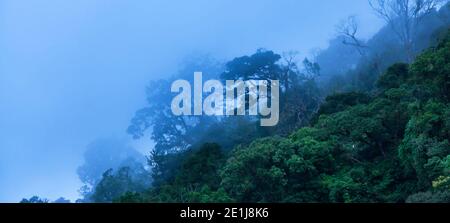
(72, 72)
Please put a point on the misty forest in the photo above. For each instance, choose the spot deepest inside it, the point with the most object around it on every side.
(362, 120)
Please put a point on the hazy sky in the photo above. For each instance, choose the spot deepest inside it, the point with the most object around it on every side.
(74, 71)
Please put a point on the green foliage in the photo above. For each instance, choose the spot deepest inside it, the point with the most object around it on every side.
(206, 195)
(431, 71)
(299, 94)
(201, 167)
(115, 184)
(394, 76)
(276, 169)
(339, 102)
(392, 146)
(385, 149)
(129, 197)
(260, 66)
(196, 180)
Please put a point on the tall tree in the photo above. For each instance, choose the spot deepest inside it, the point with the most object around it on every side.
(349, 30)
(404, 17)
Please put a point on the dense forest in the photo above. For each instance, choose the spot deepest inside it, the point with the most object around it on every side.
(392, 146)
(361, 121)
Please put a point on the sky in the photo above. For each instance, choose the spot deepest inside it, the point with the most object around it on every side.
(75, 71)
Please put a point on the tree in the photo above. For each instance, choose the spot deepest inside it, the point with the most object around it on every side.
(387, 148)
(260, 66)
(349, 30)
(403, 16)
(394, 77)
(196, 179)
(299, 96)
(104, 154)
(276, 170)
(312, 69)
(114, 184)
(290, 69)
(35, 199)
(201, 168)
(341, 101)
(172, 133)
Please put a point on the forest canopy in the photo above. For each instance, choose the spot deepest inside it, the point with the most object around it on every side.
(361, 121)
(392, 146)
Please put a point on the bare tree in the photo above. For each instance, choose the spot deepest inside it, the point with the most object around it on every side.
(311, 69)
(404, 16)
(290, 67)
(349, 29)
